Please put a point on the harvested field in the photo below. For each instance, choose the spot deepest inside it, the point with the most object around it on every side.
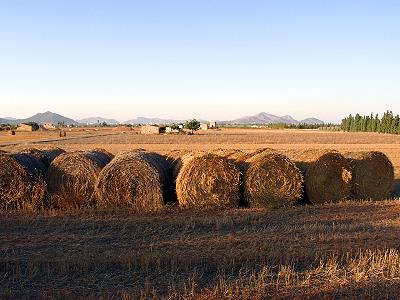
(343, 250)
(317, 251)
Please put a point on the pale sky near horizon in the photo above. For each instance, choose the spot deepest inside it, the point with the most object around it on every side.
(204, 59)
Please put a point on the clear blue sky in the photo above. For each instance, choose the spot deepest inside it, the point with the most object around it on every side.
(204, 59)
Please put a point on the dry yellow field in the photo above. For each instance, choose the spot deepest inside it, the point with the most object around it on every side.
(348, 250)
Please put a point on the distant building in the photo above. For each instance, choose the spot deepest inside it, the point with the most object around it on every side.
(212, 124)
(152, 129)
(203, 126)
(25, 127)
(49, 126)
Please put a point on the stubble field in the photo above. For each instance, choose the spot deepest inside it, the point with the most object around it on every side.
(345, 250)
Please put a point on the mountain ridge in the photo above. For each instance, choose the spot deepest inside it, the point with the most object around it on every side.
(97, 120)
(262, 118)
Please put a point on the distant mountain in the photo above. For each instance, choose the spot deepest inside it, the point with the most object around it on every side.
(258, 119)
(40, 118)
(311, 121)
(49, 117)
(10, 118)
(5, 121)
(264, 118)
(145, 120)
(97, 120)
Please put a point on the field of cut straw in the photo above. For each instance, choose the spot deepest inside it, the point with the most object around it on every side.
(348, 249)
(275, 249)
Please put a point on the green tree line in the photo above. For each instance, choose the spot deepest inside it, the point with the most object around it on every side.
(389, 123)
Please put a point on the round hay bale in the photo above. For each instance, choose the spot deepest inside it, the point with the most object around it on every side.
(71, 178)
(21, 181)
(205, 180)
(45, 155)
(327, 175)
(231, 154)
(373, 174)
(135, 179)
(270, 180)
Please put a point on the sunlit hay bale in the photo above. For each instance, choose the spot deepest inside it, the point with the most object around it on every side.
(205, 180)
(2, 151)
(21, 181)
(373, 174)
(327, 175)
(71, 179)
(270, 180)
(231, 154)
(45, 155)
(135, 179)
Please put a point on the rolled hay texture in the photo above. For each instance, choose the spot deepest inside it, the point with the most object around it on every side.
(373, 174)
(21, 181)
(2, 151)
(205, 180)
(71, 179)
(269, 179)
(327, 175)
(136, 179)
(45, 155)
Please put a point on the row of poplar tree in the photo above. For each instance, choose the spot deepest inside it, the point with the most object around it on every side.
(387, 124)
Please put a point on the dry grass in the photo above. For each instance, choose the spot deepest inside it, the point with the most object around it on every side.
(230, 254)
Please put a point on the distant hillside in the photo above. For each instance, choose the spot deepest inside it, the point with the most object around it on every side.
(40, 118)
(258, 119)
(97, 120)
(49, 117)
(265, 118)
(145, 120)
(5, 121)
(311, 121)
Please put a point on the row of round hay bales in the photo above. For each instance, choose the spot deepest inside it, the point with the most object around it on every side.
(330, 176)
(46, 156)
(223, 178)
(327, 175)
(71, 178)
(22, 184)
